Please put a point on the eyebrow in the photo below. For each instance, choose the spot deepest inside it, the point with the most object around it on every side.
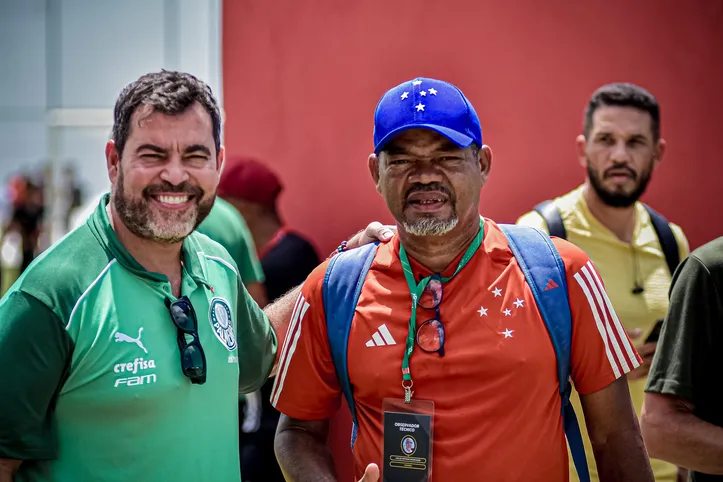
(632, 137)
(151, 147)
(198, 147)
(189, 149)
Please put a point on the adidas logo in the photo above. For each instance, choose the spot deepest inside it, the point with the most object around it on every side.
(381, 337)
(551, 285)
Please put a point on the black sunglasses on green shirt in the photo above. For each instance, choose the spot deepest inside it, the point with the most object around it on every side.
(193, 358)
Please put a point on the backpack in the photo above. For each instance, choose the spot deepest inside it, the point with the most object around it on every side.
(540, 262)
(668, 243)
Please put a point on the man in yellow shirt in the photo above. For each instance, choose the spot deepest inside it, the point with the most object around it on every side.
(633, 247)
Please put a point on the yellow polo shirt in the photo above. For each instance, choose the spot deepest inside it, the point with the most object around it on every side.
(616, 262)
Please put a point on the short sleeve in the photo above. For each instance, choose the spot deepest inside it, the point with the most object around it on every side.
(602, 351)
(685, 347)
(257, 343)
(35, 351)
(245, 256)
(533, 220)
(306, 387)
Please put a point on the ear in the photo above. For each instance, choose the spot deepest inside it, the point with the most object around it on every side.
(485, 161)
(112, 161)
(660, 150)
(374, 164)
(581, 148)
(220, 160)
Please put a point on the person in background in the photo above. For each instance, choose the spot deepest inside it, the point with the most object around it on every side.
(287, 259)
(19, 240)
(228, 228)
(634, 248)
(286, 256)
(682, 419)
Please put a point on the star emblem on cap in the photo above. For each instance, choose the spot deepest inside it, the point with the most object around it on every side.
(417, 82)
(423, 93)
(420, 107)
(433, 91)
(405, 95)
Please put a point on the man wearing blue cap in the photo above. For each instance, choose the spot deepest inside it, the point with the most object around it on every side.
(438, 335)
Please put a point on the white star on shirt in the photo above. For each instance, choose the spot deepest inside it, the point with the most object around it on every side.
(508, 333)
(433, 91)
(416, 82)
(423, 93)
(497, 292)
(508, 312)
(518, 303)
(405, 95)
(420, 107)
(482, 311)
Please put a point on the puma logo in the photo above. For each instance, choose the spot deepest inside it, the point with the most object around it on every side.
(123, 337)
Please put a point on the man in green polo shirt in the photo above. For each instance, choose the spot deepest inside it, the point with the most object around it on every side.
(125, 345)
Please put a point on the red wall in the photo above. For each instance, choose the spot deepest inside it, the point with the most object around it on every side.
(301, 80)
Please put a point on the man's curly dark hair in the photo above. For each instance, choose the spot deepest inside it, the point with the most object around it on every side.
(168, 92)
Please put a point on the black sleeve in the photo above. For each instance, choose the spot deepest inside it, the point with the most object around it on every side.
(35, 353)
(686, 348)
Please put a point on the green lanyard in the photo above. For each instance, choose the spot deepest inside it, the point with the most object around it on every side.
(416, 291)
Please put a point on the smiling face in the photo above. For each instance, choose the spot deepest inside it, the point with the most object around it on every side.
(429, 183)
(620, 154)
(164, 182)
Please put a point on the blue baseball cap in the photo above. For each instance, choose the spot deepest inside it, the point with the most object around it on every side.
(428, 104)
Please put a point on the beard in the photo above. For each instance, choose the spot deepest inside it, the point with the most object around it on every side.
(616, 198)
(427, 224)
(143, 220)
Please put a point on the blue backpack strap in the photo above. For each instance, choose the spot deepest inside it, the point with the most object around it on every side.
(343, 282)
(541, 263)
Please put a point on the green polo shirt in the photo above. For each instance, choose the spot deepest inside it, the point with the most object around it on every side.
(225, 225)
(92, 382)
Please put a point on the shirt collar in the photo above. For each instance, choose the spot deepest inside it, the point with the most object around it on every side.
(100, 225)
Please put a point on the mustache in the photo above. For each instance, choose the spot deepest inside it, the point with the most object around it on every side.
(608, 171)
(432, 186)
(167, 187)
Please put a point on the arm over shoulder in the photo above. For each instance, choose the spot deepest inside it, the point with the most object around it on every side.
(306, 386)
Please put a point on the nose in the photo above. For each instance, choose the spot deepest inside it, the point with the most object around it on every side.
(620, 153)
(174, 171)
(426, 172)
